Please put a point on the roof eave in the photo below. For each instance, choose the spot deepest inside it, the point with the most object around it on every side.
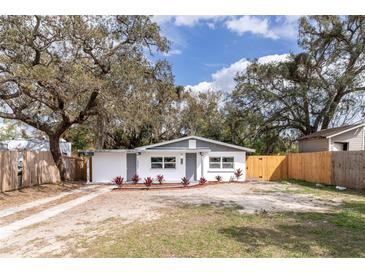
(199, 138)
(347, 130)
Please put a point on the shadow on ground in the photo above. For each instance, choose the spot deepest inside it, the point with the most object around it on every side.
(306, 234)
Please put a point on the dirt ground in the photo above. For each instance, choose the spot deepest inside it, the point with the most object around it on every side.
(54, 236)
(29, 194)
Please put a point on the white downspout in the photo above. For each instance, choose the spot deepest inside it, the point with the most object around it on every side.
(201, 165)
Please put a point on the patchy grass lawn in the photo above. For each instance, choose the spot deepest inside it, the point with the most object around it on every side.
(221, 231)
(302, 187)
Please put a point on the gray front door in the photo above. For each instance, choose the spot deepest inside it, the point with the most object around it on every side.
(131, 165)
(191, 166)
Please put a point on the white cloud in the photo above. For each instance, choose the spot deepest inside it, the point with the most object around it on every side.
(282, 27)
(188, 20)
(169, 24)
(192, 20)
(162, 19)
(251, 24)
(223, 79)
(211, 25)
(173, 52)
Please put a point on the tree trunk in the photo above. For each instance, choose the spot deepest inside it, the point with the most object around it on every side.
(54, 144)
(332, 109)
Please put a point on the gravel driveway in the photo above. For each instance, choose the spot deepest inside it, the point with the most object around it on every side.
(52, 237)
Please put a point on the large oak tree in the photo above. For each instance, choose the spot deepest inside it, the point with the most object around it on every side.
(323, 85)
(56, 71)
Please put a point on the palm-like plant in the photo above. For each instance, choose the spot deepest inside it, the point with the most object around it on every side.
(118, 181)
(238, 173)
(185, 181)
(218, 178)
(148, 181)
(160, 178)
(202, 181)
(135, 179)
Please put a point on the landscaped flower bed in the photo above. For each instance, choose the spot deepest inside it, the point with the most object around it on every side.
(169, 186)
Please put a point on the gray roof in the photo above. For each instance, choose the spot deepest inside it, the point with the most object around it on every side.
(198, 138)
(325, 133)
(151, 147)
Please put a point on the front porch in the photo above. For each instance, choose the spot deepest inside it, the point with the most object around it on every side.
(173, 164)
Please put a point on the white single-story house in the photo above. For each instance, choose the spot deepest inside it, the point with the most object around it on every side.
(349, 137)
(191, 156)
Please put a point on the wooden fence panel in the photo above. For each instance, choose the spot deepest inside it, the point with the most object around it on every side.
(8, 170)
(311, 167)
(349, 169)
(39, 168)
(267, 167)
(76, 168)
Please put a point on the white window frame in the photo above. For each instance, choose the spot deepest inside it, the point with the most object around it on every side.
(221, 162)
(163, 162)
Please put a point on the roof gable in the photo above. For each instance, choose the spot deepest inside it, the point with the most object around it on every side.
(330, 132)
(201, 142)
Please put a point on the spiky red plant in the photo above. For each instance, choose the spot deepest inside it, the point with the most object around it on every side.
(135, 179)
(202, 181)
(218, 178)
(185, 181)
(118, 181)
(148, 181)
(238, 173)
(160, 178)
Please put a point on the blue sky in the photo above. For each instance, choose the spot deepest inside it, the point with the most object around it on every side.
(209, 49)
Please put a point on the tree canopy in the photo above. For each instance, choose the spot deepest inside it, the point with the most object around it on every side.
(55, 71)
(321, 86)
(87, 79)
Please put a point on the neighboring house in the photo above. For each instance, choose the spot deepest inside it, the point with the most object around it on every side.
(191, 156)
(350, 137)
(34, 144)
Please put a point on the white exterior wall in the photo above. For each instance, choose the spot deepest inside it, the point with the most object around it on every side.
(209, 174)
(354, 138)
(144, 169)
(108, 165)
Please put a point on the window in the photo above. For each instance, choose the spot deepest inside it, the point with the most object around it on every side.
(214, 162)
(227, 162)
(169, 162)
(345, 146)
(163, 162)
(221, 162)
(156, 162)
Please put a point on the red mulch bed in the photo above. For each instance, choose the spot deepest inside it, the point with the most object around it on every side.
(167, 186)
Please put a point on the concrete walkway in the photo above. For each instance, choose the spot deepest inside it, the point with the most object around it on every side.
(16, 209)
(8, 230)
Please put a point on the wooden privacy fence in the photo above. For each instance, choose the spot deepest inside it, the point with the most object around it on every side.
(343, 168)
(36, 168)
(311, 167)
(348, 168)
(267, 167)
(39, 168)
(8, 170)
(76, 168)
